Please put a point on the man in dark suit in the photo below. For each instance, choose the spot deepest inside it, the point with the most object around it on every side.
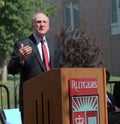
(110, 102)
(116, 94)
(27, 57)
(113, 112)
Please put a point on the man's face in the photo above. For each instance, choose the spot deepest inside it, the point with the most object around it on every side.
(40, 25)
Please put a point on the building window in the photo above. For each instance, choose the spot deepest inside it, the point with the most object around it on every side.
(71, 15)
(115, 16)
(114, 12)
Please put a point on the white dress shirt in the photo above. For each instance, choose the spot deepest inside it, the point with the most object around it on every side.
(39, 45)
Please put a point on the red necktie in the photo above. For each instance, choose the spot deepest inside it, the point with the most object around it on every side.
(45, 55)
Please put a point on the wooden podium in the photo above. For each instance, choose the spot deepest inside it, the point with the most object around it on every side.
(47, 99)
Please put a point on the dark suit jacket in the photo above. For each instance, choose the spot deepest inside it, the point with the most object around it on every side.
(116, 94)
(113, 116)
(33, 65)
(111, 105)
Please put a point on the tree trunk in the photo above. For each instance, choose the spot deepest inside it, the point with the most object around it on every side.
(4, 73)
(4, 68)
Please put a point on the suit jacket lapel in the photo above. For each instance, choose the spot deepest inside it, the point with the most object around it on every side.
(36, 51)
(51, 51)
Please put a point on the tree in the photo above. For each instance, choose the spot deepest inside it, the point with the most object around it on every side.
(1, 3)
(79, 50)
(15, 23)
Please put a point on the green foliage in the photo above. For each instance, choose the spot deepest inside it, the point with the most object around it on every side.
(1, 3)
(15, 20)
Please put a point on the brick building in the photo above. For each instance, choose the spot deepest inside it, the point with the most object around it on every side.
(100, 19)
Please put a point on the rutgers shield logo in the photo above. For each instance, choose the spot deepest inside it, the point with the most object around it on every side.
(84, 101)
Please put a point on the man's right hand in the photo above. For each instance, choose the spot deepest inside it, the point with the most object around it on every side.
(24, 51)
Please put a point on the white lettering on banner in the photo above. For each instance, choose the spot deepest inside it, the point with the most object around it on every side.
(83, 85)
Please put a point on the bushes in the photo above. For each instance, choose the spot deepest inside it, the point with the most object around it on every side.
(79, 50)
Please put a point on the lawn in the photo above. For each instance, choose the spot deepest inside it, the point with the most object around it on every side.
(110, 86)
(10, 84)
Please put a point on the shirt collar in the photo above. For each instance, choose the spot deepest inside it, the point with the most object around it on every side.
(38, 39)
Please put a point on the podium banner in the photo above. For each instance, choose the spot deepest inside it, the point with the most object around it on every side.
(84, 101)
